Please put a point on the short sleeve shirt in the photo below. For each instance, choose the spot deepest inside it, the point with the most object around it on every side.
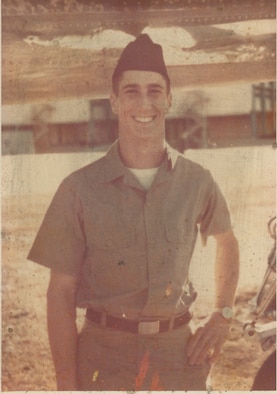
(131, 248)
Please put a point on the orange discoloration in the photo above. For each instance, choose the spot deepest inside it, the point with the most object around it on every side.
(144, 366)
(155, 383)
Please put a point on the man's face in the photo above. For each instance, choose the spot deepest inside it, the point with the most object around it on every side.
(141, 104)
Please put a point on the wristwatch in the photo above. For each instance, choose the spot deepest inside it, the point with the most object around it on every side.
(226, 312)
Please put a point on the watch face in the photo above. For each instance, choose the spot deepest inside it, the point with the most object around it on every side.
(227, 312)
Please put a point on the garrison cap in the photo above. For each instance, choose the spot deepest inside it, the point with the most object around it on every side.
(142, 54)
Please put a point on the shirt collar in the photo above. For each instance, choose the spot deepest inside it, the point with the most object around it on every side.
(114, 168)
(171, 156)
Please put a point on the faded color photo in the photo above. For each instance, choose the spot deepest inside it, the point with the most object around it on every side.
(138, 196)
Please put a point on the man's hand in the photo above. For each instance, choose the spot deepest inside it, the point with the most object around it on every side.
(205, 345)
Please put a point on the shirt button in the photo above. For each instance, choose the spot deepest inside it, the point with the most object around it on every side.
(148, 204)
(151, 241)
(109, 242)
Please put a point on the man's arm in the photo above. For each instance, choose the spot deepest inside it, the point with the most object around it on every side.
(62, 329)
(205, 345)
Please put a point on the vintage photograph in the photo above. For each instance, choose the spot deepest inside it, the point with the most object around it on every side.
(138, 195)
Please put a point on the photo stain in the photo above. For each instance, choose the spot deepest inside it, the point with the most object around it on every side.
(121, 262)
(95, 375)
(168, 290)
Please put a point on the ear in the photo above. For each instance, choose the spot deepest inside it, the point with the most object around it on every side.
(169, 102)
(114, 103)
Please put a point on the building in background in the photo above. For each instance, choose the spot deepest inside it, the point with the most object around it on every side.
(226, 116)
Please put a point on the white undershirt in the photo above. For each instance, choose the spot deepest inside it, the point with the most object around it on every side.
(145, 176)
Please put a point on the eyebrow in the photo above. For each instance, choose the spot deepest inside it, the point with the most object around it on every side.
(135, 85)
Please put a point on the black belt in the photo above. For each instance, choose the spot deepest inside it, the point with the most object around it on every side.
(144, 327)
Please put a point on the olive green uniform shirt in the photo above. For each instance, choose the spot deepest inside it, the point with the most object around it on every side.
(131, 248)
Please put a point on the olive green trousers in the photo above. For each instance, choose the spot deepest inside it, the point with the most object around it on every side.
(114, 360)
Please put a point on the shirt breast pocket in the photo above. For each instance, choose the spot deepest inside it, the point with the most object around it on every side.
(111, 256)
(110, 239)
(178, 252)
(179, 236)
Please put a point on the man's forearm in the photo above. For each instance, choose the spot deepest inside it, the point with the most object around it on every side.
(62, 331)
(205, 345)
(226, 270)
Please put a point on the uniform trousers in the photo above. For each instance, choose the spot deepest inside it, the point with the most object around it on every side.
(117, 360)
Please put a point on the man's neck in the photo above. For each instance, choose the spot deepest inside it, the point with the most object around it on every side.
(142, 155)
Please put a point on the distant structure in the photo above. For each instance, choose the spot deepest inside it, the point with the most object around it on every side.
(188, 130)
(263, 115)
(49, 128)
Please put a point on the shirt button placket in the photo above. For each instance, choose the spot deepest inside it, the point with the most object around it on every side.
(147, 216)
(153, 227)
(148, 204)
(149, 211)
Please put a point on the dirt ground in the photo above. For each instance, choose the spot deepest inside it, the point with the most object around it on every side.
(26, 360)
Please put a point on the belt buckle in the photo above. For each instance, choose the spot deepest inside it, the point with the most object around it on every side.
(148, 327)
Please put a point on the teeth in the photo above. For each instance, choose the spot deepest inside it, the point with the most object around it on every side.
(144, 120)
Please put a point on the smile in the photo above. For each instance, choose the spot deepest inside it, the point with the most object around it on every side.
(144, 119)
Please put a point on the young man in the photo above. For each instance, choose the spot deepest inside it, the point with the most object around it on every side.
(118, 237)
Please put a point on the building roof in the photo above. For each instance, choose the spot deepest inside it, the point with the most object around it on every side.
(63, 50)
